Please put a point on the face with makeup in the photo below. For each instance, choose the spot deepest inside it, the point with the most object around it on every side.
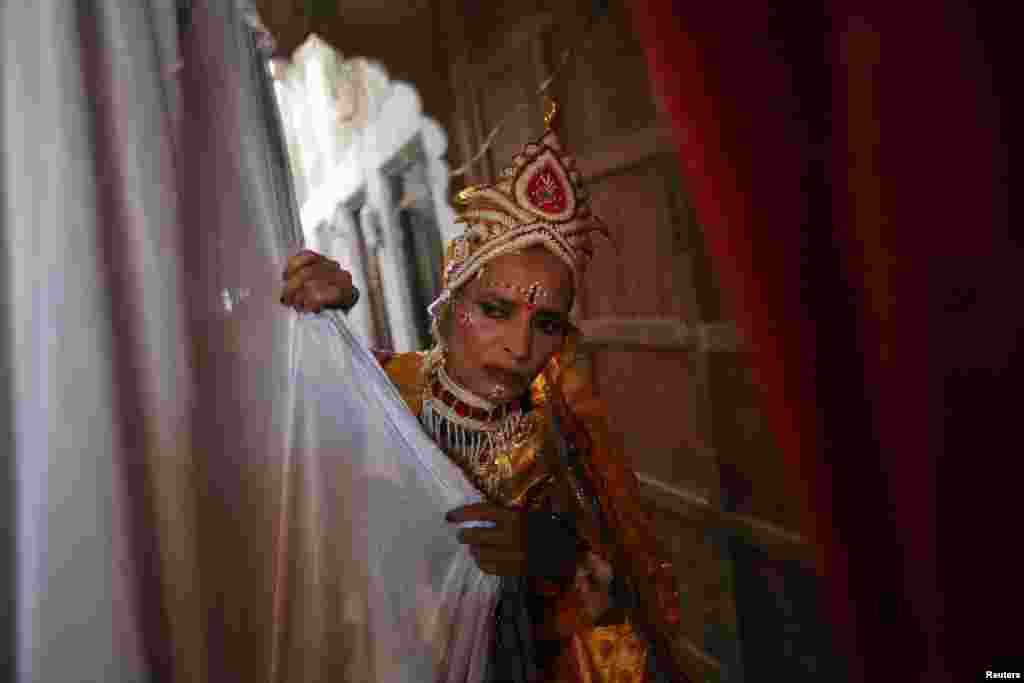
(507, 323)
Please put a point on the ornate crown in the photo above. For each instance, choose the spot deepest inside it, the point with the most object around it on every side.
(540, 200)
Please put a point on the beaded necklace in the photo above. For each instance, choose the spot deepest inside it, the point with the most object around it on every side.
(472, 430)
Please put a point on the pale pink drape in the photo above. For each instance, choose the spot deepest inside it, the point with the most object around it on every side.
(99, 387)
(205, 488)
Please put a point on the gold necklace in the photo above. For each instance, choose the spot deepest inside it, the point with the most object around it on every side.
(473, 431)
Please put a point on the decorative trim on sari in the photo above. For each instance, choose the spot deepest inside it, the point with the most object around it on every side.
(606, 653)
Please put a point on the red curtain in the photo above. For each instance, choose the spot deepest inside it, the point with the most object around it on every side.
(849, 171)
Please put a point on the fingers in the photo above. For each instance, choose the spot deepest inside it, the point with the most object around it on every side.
(319, 295)
(499, 550)
(317, 283)
(307, 301)
(300, 261)
(326, 271)
(296, 300)
(489, 537)
(482, 512)
(293, 286)
(499, 562)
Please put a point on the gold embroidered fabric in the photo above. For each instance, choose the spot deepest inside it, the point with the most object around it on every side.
(511, 476)
(606, 654)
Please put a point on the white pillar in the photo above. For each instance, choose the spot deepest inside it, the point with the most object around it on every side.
(378, 218)
(344, 248)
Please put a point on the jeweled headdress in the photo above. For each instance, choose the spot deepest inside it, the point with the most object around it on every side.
(540, 200)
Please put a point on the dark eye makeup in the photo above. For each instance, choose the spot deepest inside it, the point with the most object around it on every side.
(494, 311)
(548, 323)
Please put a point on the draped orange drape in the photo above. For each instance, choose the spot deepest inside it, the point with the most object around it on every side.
(848, 168)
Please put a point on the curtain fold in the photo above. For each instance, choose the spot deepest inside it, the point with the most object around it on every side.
(92, 306)
(207, 487)
(848, 168)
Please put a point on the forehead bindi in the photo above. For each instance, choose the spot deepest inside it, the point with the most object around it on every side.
(534, 295)
(536, 280)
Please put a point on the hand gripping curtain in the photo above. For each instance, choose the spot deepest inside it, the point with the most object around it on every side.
(205, 487)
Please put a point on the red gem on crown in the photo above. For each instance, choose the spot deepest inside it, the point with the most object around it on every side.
(546, 192)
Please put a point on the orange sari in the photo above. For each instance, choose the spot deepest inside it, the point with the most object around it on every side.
(589, 653)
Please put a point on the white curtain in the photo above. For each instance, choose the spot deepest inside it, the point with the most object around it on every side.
(206, 488)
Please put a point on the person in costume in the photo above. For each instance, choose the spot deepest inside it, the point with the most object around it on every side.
(586, 595)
